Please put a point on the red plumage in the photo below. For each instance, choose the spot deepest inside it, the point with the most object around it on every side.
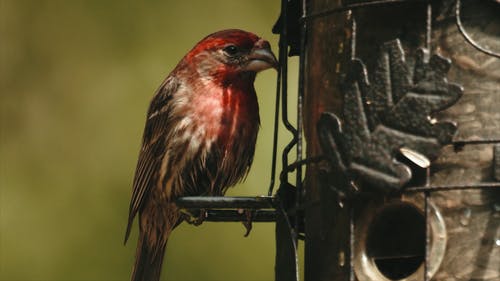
(199, 137)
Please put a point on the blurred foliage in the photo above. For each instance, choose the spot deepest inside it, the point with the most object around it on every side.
(76, 78)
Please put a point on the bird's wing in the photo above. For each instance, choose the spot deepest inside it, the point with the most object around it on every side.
(153, 147)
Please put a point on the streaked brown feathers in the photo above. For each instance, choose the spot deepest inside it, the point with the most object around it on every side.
(199, 137)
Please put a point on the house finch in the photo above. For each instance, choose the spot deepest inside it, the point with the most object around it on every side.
(199, 137)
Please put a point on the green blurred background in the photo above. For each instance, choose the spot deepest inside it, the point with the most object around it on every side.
(76, 78)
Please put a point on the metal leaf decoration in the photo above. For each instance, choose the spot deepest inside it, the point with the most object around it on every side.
(389, 117)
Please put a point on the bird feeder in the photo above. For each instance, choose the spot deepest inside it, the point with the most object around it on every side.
(399, 106)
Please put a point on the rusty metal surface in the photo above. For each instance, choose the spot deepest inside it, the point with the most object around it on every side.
(496, 165)
(472, 216)
(472, 211)
(478, 112)
(387, 113)
(326, 236)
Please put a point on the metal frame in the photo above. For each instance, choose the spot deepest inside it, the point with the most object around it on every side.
(428, 188)
(271, 208)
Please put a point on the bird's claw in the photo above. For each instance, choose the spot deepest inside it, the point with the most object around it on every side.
(194, 219)
(248, 222)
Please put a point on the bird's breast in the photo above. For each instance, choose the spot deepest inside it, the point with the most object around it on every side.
(225, 115)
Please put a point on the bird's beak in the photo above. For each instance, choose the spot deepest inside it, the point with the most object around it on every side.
(261, 57)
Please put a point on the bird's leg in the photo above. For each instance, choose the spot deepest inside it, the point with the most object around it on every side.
(248, 222)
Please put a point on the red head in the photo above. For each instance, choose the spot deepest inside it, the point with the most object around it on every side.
(228, 54)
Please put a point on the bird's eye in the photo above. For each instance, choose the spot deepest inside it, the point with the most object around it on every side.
(230, 50)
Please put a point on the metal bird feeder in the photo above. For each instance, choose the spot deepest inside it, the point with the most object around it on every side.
(399, 103)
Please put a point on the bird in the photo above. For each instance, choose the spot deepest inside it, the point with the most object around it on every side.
(199, 137)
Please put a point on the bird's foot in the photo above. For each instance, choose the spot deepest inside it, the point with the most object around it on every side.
(196, 218)
(248, 222)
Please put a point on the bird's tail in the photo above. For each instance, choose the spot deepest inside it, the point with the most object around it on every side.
(148, 259)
